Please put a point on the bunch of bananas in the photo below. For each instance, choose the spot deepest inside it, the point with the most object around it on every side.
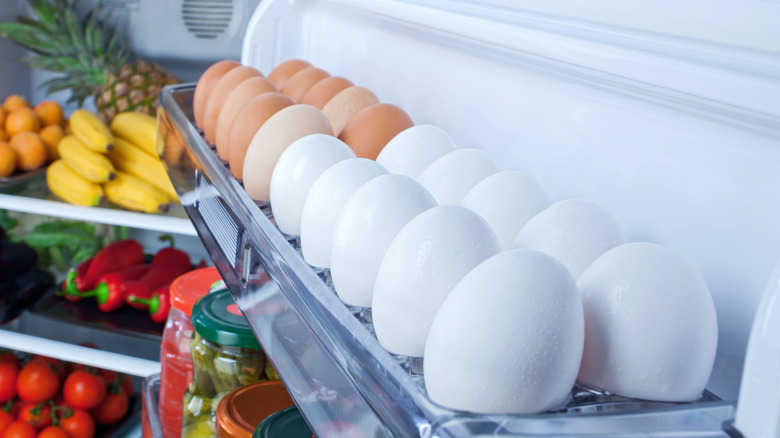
(118, 161)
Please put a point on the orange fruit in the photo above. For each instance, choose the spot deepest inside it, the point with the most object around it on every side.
(30, 150)
(3, 135)
(2, 116)
(22, 119)
(7, 159)
(14, 102)
(50, 113)
(51, 135)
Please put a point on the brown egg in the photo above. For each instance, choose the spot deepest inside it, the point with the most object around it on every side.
(238, 97)
(220, 94)
(299, 83)
(345, 104)
(368, 131)
(324, 90)
(283, 71)
(278, 132)
(205, 85)
(246, 123)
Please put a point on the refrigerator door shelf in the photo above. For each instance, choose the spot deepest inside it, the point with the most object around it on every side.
(332, 364)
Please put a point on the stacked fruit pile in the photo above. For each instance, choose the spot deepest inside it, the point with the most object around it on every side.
(117, 161)
(49, 398)
(28, 134)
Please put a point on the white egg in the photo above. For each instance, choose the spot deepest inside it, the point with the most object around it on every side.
(323, 204)
(508, 339)
(424, 262)
(413, 149)
(507, 200)
(295, 172)
(452, 175)
(574, 231)
(650, 324)
(369, 221)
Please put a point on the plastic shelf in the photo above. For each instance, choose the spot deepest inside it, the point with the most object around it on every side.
(333, 366)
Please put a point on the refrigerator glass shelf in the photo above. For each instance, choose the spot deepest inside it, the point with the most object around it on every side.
(333, 366)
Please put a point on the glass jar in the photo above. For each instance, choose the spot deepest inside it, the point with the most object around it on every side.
(225, 356)
(175, 359)
(242, 409)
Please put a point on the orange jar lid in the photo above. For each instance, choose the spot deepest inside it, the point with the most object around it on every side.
(241, 410)
(188, 288)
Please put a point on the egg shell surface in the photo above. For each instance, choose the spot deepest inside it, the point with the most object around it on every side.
(422, 265)
(220, 94)
(347, 103)
(650, 324)
(451, 176)
(276, 134)
(508, 339)
(369, 130)
(246, 123)
(324, 202)
(246, 90)
(283, 71)
(299, 83)
(366, 226)
(574, 231)
(324, 90)
(507, 200)
(295, 172)
(414, 148)
(205, 86)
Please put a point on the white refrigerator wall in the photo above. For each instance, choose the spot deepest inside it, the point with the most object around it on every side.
(678, 137)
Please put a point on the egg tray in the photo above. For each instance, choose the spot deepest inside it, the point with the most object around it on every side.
(387, 391)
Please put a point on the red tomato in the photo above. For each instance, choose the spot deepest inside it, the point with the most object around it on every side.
(9, 372)
(7, 356)
(79, 424)
(53, 432)
(37, 382)
(83, 390)
(37, 414)
(19, 429)
(59, 366)
(127, 385)
(112, 409)
(5, 420)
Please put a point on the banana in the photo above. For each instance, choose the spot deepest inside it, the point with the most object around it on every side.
(95, 134)
(137, 128)
(70, 186)
(129, 158)
(136, 194)
(91, 165)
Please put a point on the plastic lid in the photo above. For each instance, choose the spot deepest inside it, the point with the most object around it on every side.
(241, 410)
(188, 288)
(288, 423)
(217, 318)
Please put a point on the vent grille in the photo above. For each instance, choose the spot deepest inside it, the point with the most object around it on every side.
(207, 19)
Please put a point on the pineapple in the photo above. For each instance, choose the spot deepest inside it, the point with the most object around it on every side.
(91, 56)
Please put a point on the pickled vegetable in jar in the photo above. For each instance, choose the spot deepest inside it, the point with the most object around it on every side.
(175, 359)
(225, 356)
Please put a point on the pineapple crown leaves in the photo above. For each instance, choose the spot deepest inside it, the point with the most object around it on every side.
(86, 50)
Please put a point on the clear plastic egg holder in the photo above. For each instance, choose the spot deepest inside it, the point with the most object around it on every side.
(384, 391)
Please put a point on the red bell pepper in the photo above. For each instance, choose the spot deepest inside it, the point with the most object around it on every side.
(108, 291)
(69, 288)
(159, 304)
(113, 257)
(167, 264)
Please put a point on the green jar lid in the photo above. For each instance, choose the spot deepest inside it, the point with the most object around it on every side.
(217, 318)
(287, 423)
